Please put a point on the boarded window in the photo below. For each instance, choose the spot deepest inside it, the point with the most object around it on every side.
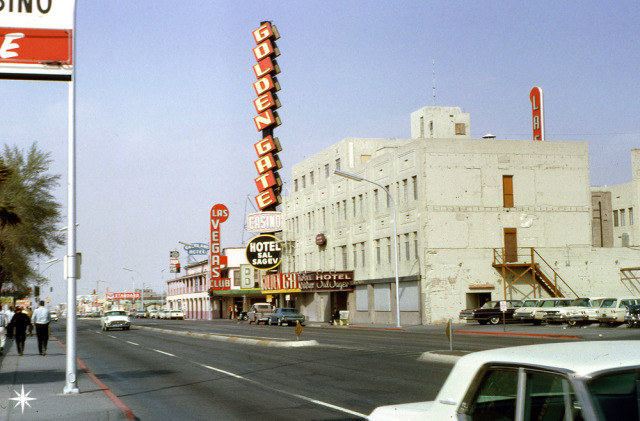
(460, 129)
(507, 191)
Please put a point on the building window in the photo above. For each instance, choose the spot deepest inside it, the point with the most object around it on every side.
(326, 170)
(389, 249)
(405, 190)
(460, 129)
(362, 254)
(407, 246)
(615, 218)
(361, 204)
(630, 216)
(415, 244)
(375, 200)
(622, 212)
(344, 208)
(304, 182)
(355, 256)
(311, 178)
(353, 205)
(338, 164)
(388, 196)
(414, 180)
(344, 257)
(324, 217)
(378, 252)
(507, 191)
(295, 185)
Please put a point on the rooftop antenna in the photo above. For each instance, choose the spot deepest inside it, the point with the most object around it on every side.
(433, 71)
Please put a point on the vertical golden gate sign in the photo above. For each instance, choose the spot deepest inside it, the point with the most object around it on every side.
(268, 181)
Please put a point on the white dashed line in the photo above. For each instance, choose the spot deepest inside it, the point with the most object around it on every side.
(162, 352)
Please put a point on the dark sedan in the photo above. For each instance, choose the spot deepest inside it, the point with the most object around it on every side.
(490, 312)
(289, 316)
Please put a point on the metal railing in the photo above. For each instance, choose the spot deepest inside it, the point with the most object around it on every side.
(527, 256)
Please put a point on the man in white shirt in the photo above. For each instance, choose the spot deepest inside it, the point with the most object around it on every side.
(41, 318)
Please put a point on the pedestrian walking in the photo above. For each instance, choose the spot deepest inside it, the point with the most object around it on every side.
(9, 315)
(20, 321)
(3, 331)
(42, 318)
(28, 312)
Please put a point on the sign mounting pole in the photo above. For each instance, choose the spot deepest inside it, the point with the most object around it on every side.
(71, 381)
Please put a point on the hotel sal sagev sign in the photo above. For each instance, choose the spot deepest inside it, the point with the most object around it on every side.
(36, 39)
(264, 252)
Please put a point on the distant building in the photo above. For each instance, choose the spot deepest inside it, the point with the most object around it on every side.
(477, 219)
(190, 292)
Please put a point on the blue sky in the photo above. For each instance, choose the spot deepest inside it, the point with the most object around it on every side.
(165, 102)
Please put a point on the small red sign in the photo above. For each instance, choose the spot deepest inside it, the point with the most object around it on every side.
(35, 46)
(537, 110)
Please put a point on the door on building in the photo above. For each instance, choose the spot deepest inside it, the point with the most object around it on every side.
(510, 245)
(339, 300)
(477, 299)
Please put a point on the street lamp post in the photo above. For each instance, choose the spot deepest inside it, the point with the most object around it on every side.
(395, 233)
(134, 288)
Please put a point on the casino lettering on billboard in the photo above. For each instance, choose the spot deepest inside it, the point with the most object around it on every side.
(266, 68)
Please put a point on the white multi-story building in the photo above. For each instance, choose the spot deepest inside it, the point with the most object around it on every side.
(190, 292)
(476, 219)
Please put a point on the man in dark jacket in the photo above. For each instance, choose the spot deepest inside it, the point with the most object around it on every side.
(20, 321)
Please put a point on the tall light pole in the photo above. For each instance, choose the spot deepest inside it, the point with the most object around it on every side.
(395, 233)
(134, 287)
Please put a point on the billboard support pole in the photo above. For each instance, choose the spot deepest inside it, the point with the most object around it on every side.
(71, 381)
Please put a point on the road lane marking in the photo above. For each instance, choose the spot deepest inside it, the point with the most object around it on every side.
(305, 398)
(162, 352)
(132, 343)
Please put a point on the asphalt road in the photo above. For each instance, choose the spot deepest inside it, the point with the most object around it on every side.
(162, 376)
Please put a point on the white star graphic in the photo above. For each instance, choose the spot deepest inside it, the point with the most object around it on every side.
(22, 399)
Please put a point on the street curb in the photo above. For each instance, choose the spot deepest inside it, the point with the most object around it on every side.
(537, 335)
(125, 411)
(442, 356)
(236, 339)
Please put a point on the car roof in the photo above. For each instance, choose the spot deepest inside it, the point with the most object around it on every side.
(582, 358)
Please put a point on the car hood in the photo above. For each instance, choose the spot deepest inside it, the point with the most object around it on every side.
(404, 412)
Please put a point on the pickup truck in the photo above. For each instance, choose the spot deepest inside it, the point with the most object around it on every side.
(259, 312)
(587, 381)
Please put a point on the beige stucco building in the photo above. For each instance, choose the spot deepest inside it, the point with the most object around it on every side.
(470, 214)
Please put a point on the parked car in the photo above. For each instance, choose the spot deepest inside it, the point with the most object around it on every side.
(632, 317)
(290, 316)
(490, 312)
(175, 314)
(139, 314)
(54, 316)
(544, 305)
(115, 319)
(259, 312)
(153, 314)
(613, 310)
(162, 314)
(524, 313)
(574, 314)
(587, 381)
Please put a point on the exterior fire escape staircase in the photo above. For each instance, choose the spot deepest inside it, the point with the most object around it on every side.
(527, 265)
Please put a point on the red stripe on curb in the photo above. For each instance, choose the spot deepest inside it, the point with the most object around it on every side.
(128, 413)
(540, 335)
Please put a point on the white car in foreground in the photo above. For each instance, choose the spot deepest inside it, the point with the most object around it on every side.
(115, 319)
(579, 381)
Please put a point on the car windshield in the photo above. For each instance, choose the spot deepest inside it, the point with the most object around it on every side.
(115, 313)
(616, 394)
(581, 302)
(489, 304)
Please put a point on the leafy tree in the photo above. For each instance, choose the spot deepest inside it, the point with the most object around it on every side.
(29, 214)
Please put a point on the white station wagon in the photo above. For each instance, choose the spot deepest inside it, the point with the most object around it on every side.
(579, 381)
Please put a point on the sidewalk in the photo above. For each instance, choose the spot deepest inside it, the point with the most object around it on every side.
(43, 380)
